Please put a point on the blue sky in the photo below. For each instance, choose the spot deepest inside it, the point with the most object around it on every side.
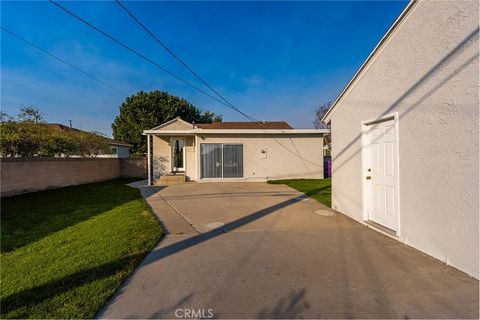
(273, 60)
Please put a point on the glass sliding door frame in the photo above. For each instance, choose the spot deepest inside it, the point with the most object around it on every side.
(232, 161)
(211, 161)
(219, 173)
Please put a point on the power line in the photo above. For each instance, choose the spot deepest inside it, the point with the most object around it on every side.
(61, 60)
(137, 53)
(182, 62)
(222, 100)
(228, 103)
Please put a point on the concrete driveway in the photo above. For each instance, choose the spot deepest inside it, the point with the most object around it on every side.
(279, 254)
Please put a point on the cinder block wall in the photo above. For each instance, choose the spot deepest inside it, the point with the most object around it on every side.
(133, 167)
(21, 175)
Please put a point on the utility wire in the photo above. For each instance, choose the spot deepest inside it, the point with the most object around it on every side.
(182, 62)
(137, 53)
(61, 60)
(222, 100)
(227, 102)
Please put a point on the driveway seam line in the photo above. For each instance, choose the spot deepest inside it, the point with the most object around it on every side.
(179, 213)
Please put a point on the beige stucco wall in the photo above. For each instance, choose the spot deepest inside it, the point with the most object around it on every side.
(176, 124)
(162, 155)
(279, 163)
(428, 74)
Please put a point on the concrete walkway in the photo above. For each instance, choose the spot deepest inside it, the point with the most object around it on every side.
(279, 254)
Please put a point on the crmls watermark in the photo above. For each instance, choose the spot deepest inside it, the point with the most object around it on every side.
(194, 313)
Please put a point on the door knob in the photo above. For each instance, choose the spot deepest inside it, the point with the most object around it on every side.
(369, 177)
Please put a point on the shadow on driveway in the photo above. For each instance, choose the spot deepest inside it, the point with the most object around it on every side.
(325, 267)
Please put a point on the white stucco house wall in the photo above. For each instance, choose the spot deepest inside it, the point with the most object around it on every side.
(405, 134)
(233, 151)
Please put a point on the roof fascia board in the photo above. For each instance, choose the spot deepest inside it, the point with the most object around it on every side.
(238, 131)
(120, 144)
(328, 115)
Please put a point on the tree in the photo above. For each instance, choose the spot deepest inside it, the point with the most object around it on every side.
(23, 139)
(30, 137)
(320, 111)
(30, 114)
(93, 143)
(5, 117)
(208, 117)
(146, 110)
(63, 144)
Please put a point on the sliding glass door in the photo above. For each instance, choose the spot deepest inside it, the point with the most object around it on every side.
(221, 160)
(232, 161)
(211, 160)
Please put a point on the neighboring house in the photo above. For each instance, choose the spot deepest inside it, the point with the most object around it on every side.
(405, 134)
(242, 151)
(118, 149)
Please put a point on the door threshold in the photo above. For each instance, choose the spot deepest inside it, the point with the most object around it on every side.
(382, 229)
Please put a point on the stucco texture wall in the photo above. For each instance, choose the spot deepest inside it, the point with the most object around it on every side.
(279, 163)
(162, 155)
(427, 72)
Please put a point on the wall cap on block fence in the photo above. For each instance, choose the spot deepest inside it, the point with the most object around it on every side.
(41, 159)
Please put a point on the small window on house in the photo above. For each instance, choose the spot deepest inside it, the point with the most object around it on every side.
(114, 150)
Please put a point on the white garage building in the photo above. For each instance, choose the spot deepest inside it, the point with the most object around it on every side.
(405, 134)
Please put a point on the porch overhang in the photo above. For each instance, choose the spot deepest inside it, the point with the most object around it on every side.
(198, 131)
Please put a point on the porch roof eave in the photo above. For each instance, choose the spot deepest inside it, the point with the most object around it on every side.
(192, 132)
(169, 132)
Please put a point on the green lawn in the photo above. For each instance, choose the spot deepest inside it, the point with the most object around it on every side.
(65, 251)
(319, 189)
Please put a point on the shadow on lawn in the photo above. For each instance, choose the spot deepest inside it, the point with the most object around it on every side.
(30, 217)
(26, 299)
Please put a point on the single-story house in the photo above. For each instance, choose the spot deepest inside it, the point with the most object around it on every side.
(118, 149)
(233, 151)
(405, 134)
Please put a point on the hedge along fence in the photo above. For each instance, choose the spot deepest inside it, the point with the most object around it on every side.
(21, 175)
(28, 139)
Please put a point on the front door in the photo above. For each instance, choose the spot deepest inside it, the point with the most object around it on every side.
(380, 172)
(178, 154)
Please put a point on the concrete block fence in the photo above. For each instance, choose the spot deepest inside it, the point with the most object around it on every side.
(21, 175)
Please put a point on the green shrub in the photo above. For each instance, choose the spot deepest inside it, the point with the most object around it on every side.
(27, 139)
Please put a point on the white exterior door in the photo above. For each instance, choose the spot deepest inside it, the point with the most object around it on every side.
(178, 154)
(380, 173)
